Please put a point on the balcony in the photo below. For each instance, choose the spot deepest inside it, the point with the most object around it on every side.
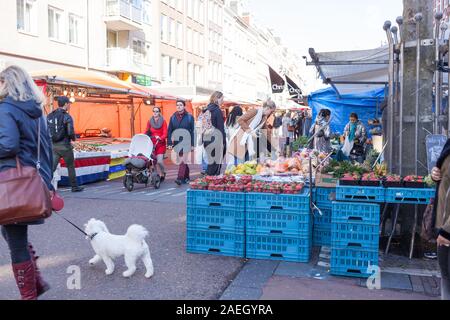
(125, 60)
(123, 15)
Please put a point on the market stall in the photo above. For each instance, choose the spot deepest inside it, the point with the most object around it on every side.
(279, 209)
(107, 112)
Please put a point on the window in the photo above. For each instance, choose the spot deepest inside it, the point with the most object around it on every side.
(163, 28)
(26, 16)
(55, 24)
(146, 12)
(180, 35)
(179, 72)
(165, 67)
(75, 33)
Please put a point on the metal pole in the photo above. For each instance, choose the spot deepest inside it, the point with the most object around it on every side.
(390, 113)
(438, 74)
(444, 28)
(448, 104)
(418, 19)
(400, 79)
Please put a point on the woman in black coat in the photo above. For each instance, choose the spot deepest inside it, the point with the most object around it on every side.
(21, 115)
(215, 143)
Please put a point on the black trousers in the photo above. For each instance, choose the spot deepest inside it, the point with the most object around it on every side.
(17, 238)
(214, 168)
(66, 152)
(444, 264)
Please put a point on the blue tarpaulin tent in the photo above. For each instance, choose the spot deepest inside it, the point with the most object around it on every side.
(365, 104)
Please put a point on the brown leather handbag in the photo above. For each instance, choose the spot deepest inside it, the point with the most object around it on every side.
(23, 193)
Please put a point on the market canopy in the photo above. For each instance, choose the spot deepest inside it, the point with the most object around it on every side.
(366, 105)
(88, 79)
(352, 71)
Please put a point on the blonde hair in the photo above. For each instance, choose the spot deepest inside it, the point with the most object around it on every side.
(19, 86)
(269, 104)
(215, 97)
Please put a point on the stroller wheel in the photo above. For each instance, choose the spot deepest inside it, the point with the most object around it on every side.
(128, 182)
(156, 180)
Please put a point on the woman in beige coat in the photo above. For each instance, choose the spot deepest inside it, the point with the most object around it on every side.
(242, 144)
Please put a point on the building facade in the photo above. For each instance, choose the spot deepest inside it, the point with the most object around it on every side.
(187, 47)
(443, 6)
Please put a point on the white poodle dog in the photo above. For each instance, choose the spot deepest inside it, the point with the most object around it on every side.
(107, 247)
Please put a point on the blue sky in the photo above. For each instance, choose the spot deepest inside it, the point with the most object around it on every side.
(326, 25)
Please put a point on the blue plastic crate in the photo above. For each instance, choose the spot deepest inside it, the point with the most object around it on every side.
(323, 220)
(215, 218)
(409, 196)
(322, 237)
(278, 222)
(324, 197)
(269, 201)
(117, 168)
(354, 235)
(279, 247)
(353, 263)
(216, 243)
(360, 194)
(356, 212)
(235, 200)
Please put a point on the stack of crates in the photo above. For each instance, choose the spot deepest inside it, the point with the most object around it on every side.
(322, 219)
(355, 238)
(279, 227)
(216, 223)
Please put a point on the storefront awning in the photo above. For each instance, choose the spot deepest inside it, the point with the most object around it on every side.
(88, 79)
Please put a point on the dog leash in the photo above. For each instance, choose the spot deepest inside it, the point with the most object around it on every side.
(76, 227)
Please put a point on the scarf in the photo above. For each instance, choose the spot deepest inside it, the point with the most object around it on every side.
(247, 138)
(180, 115)
(156, 125)
(352, 133)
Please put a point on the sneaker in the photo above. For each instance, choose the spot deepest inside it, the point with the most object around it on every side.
(77, 189)
(186, 181)
(163, 177)
(178, 182)
(430, 255)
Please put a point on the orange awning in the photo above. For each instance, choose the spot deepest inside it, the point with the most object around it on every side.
(89, 79)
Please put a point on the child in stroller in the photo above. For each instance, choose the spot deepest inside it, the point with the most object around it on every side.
(141, 163)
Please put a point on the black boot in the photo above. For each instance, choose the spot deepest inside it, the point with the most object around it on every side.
(77, 189)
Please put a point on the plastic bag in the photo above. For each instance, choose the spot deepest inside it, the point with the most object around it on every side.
(348, 147)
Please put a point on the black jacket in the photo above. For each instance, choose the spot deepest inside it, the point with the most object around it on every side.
(19, 137)
(187, 123)
(217, 122)
(68, 123)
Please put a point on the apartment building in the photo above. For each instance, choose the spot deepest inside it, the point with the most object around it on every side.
(187, 47)
(442, 6)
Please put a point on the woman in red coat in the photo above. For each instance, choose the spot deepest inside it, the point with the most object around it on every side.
(157, 131)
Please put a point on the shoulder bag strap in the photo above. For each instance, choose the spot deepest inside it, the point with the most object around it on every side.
(38, 163)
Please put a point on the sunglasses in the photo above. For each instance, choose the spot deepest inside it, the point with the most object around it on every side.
(156, 111)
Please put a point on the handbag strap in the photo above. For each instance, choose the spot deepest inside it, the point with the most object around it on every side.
(38, 163)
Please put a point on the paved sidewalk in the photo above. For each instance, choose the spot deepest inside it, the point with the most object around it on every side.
(272, 280)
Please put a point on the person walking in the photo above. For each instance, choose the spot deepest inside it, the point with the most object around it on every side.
(242, 146)
(22, 118)
(62, 132)
(441, 217)
(181, 120)
(213, 129)
(231, 129)
(157, 131)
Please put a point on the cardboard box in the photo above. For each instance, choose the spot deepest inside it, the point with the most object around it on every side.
(326, 180)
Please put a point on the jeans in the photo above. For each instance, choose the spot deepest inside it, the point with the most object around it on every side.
(204, 162)
(17, 238)
(444, 264)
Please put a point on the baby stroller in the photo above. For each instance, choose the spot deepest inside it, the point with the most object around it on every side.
(140, 166)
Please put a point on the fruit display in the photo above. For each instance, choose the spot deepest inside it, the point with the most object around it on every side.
(300, 143)
(350, 179)
(248, 168)
(339, 169)
(370, 180)
(414, 182)
(381, 170)
(392, 181)
(228, 183)
(84, 147)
